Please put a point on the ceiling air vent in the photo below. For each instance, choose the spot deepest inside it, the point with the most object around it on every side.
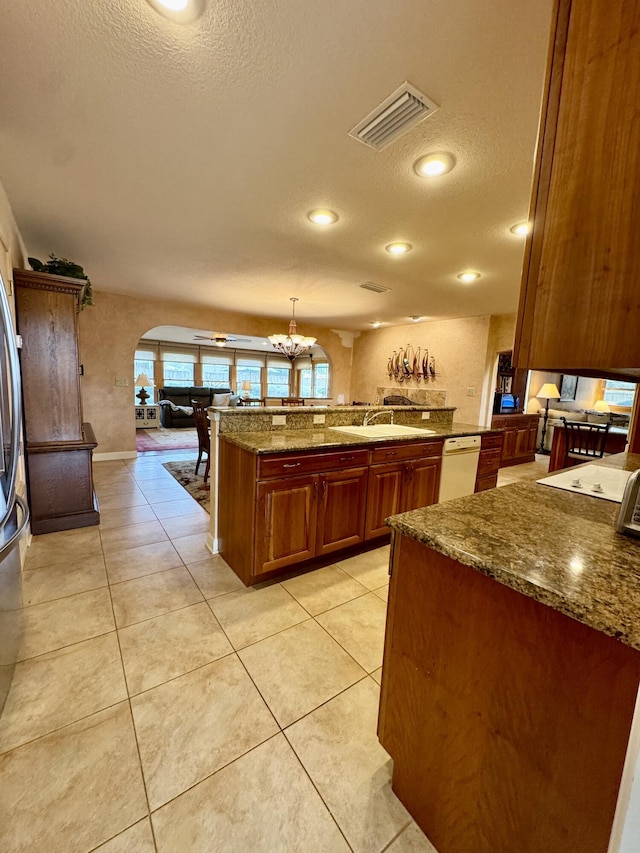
(376, 288)
(393, 117)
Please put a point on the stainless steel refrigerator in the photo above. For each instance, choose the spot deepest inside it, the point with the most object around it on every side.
(14, 514)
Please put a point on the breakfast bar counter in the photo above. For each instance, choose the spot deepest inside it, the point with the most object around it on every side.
(511, 670)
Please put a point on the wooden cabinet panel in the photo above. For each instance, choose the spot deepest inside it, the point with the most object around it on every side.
(520, 435)
(579, 291)
(384, 496)
(288, 464)
(422, 484)
(285, 522)
(412, 450)
(341, 509)
(489, 462)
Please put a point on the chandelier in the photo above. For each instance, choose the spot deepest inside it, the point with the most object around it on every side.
(292, 345)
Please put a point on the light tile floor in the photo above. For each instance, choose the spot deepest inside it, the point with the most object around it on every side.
(160, 705)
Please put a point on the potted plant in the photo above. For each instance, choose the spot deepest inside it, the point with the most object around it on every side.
(61, 266)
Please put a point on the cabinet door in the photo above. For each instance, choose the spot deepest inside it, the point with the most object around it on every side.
(422, 484)
(285, 522)
(341, 509)
(384, 496)
(509, 448)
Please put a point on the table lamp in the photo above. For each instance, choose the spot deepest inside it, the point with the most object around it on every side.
(549, 391)
(246, 388)
(141, 380)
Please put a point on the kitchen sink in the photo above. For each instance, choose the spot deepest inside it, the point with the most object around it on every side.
(384, 430)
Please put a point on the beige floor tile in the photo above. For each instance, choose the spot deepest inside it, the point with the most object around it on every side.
(156, 495)
(143, 560)
(110, 465)
(60, 623)
(371, 568)
(110, 478)
(192, 549)
(137, 839)
(383, 592)
(323, 589)
(153, 595)
(187, 525)
(339, 748)
(377, 675)
(254, 614)
(299, 669)
(121, 501)
(214, 577)
(192, 726)
(175, 509)
(125, 516)
(359, 627)
(153, 474)
(58, 688)
(113, 489)
(64, 547)
(131, 537)
(269, 787)
(73, 789)
(411, 840)
(57, 581)
(159, 649)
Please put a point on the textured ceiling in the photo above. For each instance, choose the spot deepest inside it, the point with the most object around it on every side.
(181, 161)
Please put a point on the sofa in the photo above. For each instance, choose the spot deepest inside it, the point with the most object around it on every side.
(578, 415)
(175, 403)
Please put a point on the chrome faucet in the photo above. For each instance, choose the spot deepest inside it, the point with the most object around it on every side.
(371, 415)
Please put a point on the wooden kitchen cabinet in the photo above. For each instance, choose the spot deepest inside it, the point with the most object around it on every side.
(341, 509)
(580, 297)
(398, 486)
(489, 461)
(286, 517)
(520, 438)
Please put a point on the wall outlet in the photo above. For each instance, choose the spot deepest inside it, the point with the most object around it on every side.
(122, 381)
(318, 419)
(278, 420)
(471, 392)
(426, 416)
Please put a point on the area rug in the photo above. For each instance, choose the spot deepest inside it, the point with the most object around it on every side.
(166, 439)
(195, 485)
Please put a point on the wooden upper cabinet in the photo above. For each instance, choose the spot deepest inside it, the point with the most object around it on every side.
(580, 297)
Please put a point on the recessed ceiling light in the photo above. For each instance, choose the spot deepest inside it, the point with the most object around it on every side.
(468, 276)
(376, 324)
(399, 248)
(322, 217)
(433, 165)
(180, 11)
(521, 229)
(416, 318)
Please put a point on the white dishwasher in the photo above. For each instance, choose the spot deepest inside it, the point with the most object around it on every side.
(459, 466)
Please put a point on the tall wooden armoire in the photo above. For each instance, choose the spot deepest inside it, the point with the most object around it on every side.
(59, 446)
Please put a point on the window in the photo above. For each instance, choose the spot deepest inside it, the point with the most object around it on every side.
(278, 377)
(618, 393)
(321, 380)
(143, 362)
(249, 370)
(313, 378)
(216, 370)
(178, 366)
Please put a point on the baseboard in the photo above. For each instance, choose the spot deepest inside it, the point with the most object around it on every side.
(116, 454)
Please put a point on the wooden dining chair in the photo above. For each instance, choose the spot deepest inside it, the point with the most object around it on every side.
(292, 401)
(204, 438)
(583, 441)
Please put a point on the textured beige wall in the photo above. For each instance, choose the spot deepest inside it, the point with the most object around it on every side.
(460, 350)
(111, 329)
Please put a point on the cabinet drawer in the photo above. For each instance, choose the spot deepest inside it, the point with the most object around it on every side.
(489, 462)
(399, 452)
(285, 464)
(492, 440)
(488, 482)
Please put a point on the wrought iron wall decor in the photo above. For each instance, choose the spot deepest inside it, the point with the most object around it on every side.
(405, 364)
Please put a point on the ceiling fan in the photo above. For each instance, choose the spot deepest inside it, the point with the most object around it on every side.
(220, 339)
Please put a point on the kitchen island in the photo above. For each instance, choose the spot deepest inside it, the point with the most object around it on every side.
(511, 670)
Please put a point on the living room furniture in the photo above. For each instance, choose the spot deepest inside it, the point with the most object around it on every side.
(549, 391)
(615, 442)
(176, 406)
(252, 401)
(59, 446)
(204, 436)
(520, 435)
(140, 382)
(291, 401)
(583, 442)
(147, 417)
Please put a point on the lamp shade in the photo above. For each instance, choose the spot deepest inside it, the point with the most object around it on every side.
(601, 406)
(549, 391)
(142, 379)
(246, 385)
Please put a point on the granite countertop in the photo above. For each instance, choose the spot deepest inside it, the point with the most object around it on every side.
(285, 441)
(557, 547)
